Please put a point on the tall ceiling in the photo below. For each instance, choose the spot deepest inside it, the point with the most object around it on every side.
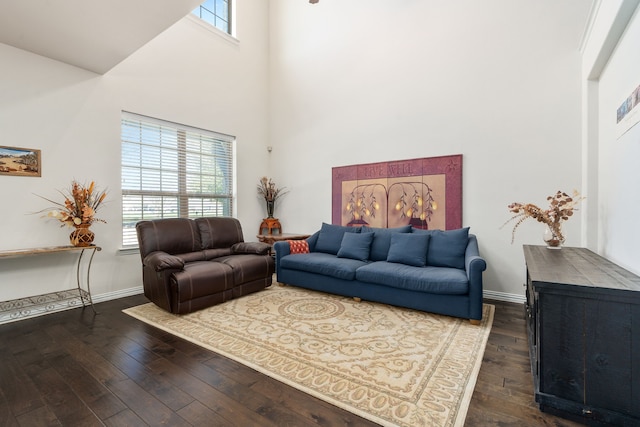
(92, 34)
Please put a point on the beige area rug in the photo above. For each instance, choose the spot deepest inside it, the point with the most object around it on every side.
(393, 366)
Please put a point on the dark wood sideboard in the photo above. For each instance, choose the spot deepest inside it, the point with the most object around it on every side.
(583, 321)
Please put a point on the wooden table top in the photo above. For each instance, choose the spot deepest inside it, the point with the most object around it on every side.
(271, 238)
(44, 250)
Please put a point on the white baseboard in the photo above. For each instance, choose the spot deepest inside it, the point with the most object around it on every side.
(499, 296)
(117, 294)
(502, 296)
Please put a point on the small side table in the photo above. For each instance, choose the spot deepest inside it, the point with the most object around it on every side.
(270, 224)
(270, 239)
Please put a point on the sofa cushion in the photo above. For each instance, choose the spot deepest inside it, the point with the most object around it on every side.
(322, 263)
(355, 246)
(219, 232)
(446, 248)
(202, 278)
(192, 256)
(382, 240)
(409, 249)
(435, 280)
(330, 237)
(298, 246)
(170, 235)
(210, 254)
(247, 267)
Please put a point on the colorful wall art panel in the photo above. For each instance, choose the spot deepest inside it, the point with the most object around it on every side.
(426, 193)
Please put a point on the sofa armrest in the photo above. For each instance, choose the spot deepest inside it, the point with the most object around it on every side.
(160, 261)
(312, 240)
(257, 248)
(474, 265)
(281, 249)
(472, 259)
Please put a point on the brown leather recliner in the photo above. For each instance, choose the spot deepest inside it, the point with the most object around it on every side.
(191, 264)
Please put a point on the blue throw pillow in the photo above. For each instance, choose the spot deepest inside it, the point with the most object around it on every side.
(447, 248)
(330, 237)
(409, 249)
(382, 240)
(355, 246)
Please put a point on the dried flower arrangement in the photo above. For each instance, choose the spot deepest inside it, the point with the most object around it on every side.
(268, 190)
(561, 208)
(80, 205)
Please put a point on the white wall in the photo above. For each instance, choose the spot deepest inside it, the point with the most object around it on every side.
(188, 75)
(326, 85)
(497, 81)
(615, 40)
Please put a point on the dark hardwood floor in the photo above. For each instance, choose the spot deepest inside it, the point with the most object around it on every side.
(76, 369)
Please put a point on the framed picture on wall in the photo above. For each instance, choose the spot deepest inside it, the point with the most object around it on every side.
(425, 193)
(628, 114)
(20, 161)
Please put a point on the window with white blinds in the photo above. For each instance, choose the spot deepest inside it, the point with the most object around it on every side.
(170, 170)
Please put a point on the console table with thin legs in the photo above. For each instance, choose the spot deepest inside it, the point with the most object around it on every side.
(54, 301)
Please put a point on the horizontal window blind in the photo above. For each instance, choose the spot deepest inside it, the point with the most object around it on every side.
(171, 170)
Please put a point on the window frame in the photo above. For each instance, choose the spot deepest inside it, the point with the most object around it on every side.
(229, 19)
(191, 158)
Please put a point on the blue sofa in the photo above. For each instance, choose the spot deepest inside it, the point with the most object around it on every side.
(429, 270)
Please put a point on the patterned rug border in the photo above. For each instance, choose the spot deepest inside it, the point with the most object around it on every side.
(485, 327)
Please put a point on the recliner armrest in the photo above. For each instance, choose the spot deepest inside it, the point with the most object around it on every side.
(159, 261)
(257, 248)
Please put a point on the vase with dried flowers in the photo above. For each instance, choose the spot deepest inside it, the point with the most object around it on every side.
(561, 208)
(268, 190)
(78, 210)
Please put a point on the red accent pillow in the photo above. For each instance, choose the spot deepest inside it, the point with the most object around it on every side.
(298, 246)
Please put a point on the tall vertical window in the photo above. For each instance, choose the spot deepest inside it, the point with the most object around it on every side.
(170, 170)
(216, 13)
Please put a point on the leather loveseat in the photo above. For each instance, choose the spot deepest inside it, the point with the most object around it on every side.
(191, 264)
